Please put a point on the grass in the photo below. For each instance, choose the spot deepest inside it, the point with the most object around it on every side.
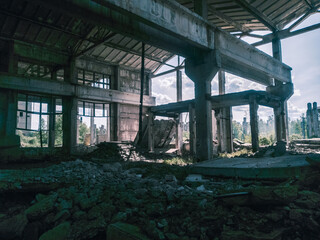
(236, 154)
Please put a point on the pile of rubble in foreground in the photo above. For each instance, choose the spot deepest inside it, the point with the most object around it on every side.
(87, 200)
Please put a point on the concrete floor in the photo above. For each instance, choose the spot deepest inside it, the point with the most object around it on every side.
(261, 168)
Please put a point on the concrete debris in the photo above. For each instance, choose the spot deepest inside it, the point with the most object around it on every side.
(123, 200)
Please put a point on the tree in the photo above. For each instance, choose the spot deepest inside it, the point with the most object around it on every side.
(83, 130)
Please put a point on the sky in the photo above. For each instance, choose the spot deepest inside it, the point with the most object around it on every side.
(301, 52)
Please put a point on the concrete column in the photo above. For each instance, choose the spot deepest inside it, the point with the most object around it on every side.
(254, 124)
(150, 132)
(115, 81)
(225, 119)
(3, 112)
(201, 70)
(12, 113)
(276, 49)
(192, 130)
(228, 123)
(278, 123)
(222, 82)
(69, 124)
(315, 118)
(52, 110)
(70, 108)
(283, 120)
(92, 127)
(201, 8)
(114, 121)
(179, 129)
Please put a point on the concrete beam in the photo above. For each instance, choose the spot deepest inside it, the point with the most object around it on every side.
(170, 26)
(67, 89)
(244, 60)
(221, 101)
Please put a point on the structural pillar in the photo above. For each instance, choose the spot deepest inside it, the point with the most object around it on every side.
(150, 132)
(225, 119)
(179, 127)
(192, 130)
(281, 121)
(254, 124)
(115, 108)
(52, 115)
(201, 69)
(70, 109)
(9, 141)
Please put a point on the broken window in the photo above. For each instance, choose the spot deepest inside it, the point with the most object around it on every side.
(93, 123)
(93, 79)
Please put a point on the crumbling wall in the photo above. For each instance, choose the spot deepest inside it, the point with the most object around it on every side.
(129, 121)
(129, 81)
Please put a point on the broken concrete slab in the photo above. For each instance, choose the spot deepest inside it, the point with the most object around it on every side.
(254, 168)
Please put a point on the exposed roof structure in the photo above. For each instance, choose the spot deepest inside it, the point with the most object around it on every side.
(251, 15)
(40, 24)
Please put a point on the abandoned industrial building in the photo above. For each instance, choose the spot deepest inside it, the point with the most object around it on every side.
(87, 153)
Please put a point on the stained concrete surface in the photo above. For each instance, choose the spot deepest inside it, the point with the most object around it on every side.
(270, 167)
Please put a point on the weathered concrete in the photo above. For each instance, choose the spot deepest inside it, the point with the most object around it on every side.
(313, 120)
(67, 89)
(201, 71)
(254, 124)
(254, 168)
(168, 25)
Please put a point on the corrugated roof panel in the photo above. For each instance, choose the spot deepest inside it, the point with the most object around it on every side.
(21, 29)
(125, 59)
(97, 51)
(32, 32)
(112, 54)
(105, 52)
(119, 56)
(53, 38)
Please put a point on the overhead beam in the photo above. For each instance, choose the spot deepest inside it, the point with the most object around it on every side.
(242, 59)
(221, 101)
(168, 25)
(164, 24)
(167, 72)
(57, 88)
(286, 34)
(257, 14)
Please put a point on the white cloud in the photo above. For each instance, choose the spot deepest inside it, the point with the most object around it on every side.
(161, 98)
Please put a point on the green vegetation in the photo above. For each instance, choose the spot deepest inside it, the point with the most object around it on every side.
(180, 161)
(83, 130)
(266, 131)
(236, 154)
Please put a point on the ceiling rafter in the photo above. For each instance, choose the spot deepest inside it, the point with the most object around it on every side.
(134, 52)
(7, 13)
(227, 19)
(257, 14)
(285, 34)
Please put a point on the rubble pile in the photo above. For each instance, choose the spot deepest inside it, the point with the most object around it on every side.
(88, 200)
(305, 145)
